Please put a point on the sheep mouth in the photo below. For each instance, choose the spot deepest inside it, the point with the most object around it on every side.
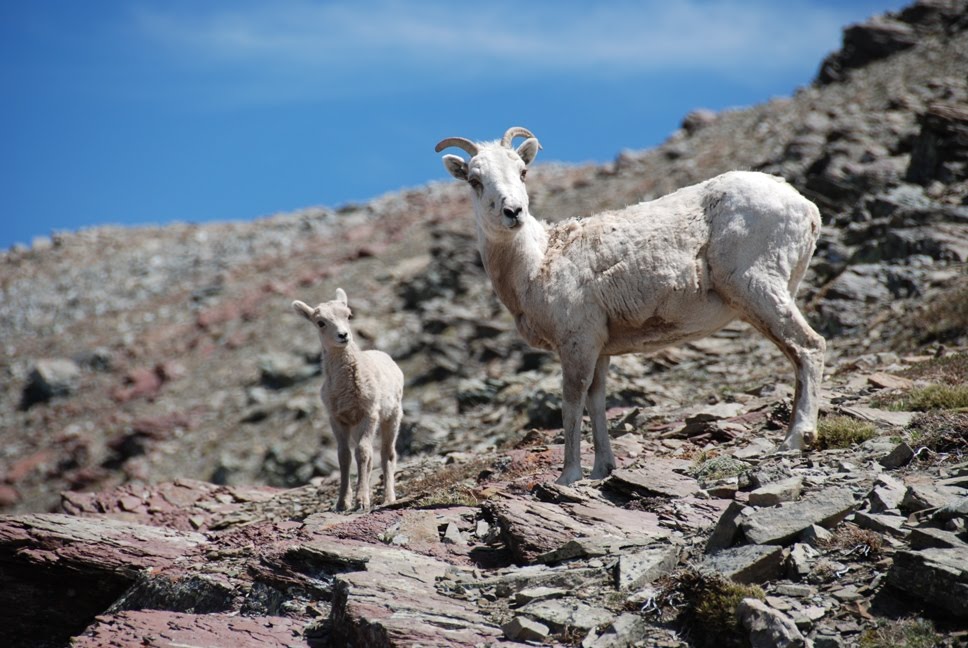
(512, 222)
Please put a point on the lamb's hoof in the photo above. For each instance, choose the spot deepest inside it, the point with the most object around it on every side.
(569, 477)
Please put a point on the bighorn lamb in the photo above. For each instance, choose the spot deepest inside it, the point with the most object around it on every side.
(644, 277)
(362, 391)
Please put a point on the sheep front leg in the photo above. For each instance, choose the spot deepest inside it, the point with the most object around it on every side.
(604, 460)
(364, 462)
(576, 379)
(343, 455)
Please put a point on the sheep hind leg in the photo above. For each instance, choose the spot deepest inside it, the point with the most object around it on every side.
(774, 313)
(388, 455)
(604, 459)
(577, 374)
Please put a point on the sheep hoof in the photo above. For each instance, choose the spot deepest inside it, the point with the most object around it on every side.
(601, 472)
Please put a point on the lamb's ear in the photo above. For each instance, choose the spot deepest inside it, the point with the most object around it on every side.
(529, 149)
(341, 296)
(456, 166)
(303, 309)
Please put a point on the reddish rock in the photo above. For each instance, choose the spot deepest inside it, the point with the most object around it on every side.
(23, 467)
(160, 628)
(8, 496)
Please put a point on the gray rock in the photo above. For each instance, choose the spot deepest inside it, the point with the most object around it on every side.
(747, 564)
(726, 529)
(278, 370)
(561, 614)
(621, 632)
(920, 497)
(452, 535)
(658, 478)
(785, 490)
(524, 629)
(530, 594)
(782, 524)
(932, 538)
(889, 524)
(887, 494)
(640, 567)
(901, 455)
(50, 378)
(814, 535)
(768, 628)
(764, 475)
(937, 576)
(800, 560)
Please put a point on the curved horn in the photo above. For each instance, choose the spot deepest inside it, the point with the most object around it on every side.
(511, 133)
(461, 143)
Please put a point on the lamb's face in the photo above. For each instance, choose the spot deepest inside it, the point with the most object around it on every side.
(331, 319)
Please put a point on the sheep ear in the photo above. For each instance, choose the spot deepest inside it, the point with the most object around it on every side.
(341, 296)
(529, 149)
(456, 166)
(303, 309)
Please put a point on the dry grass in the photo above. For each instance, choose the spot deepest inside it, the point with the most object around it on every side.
(911, 633)
(851, 540)
(842, 432)
(453, 485)
(940, 432)
(950, 369)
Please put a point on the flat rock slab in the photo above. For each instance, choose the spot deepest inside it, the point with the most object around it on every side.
(394, 602)
(657, 478)
(782, 524)
(645, 565)
(160, 628)
(747, 564)
(533, 529)
(93, 544)
(561, 614)
(937, 576)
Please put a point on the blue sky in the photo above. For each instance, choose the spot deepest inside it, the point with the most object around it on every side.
(140, 112)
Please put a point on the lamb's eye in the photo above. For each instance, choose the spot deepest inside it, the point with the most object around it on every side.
(321, 324)
(475, 184)
(350, 316)
(524, 172)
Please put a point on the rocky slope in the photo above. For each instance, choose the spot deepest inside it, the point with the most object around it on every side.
(166, 472)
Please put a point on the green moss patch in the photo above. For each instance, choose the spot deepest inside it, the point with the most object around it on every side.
(842, 432)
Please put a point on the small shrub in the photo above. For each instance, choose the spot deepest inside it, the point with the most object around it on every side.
(842, 432)
(911, 633)
(711, 602)
(718, 468)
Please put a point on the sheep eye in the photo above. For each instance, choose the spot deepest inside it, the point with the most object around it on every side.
(475, 184)
(524, 172)
(350, 316)
(321, 324)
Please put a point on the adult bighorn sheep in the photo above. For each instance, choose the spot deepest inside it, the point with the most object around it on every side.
(640, 278)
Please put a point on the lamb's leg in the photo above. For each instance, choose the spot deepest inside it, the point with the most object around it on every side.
(577, 373)
(604, 460)
(343, 455)
(388, 455)
(364, 462)
(774, 313)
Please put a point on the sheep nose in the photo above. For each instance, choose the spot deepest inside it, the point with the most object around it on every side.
(342, 335)
(512, 212)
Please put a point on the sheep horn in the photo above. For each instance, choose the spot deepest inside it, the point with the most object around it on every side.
(514, 131)
(459, 142)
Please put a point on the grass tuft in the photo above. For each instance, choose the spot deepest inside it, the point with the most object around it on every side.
(842, 432)
(928, 399)
(718, 468)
